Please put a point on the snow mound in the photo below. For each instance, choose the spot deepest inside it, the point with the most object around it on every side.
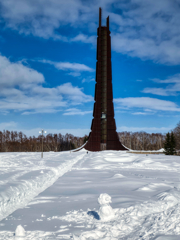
(161, 150)
(20, 232)
(90, 235)
(106, 212)
(168, 197)
(118, 176)
(152, 187)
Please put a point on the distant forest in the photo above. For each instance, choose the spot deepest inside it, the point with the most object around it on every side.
(142, 140)
(13, 141)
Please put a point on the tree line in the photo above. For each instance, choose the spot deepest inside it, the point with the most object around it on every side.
(142, 140)
(154, 141)
(13, 141)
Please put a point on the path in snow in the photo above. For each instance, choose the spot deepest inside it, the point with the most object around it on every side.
(18, 192)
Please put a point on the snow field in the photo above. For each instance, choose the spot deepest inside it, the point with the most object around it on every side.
(144, 190)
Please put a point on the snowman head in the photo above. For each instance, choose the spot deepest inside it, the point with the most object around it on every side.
(104, 199)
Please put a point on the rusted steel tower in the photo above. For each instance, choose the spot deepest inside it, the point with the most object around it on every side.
(103, 135)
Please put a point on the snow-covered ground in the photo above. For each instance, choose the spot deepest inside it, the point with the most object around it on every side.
(68, 196)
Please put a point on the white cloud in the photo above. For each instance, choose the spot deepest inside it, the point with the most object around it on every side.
(166, 52)
(142, 113)
(84, 38)
(158, 91)
(147, 103)
(13, 126)
(66, 66)
(21, 89)
(79, 132)
(74, 74)
(145, 29)
(39, 18)
(172, 89)
(42, 18)
(41, 111)
(145, 129)
(171, 79)
(74, 94)
(8, 125)
(149, 30)
(15, 73)
(88, 79)
(75, 111)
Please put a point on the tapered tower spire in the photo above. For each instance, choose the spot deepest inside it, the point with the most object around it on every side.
(103, 135)
(99, 17)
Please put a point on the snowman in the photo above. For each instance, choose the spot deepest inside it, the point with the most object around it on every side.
(106, 212)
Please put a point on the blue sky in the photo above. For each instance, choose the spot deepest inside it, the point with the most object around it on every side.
(48, 59)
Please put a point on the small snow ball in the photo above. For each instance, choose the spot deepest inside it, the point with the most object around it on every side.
(106, 212)
(20, 232)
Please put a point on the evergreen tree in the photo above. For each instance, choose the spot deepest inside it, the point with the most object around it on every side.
(169, 145)
(173, 144)
(86, 138)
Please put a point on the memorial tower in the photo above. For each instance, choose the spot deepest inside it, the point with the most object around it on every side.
(103, 135)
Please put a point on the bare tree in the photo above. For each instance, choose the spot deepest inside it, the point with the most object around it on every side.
(177, 136)
(142, 140)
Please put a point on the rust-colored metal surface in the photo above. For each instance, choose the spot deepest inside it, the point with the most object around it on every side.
(103, 135)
